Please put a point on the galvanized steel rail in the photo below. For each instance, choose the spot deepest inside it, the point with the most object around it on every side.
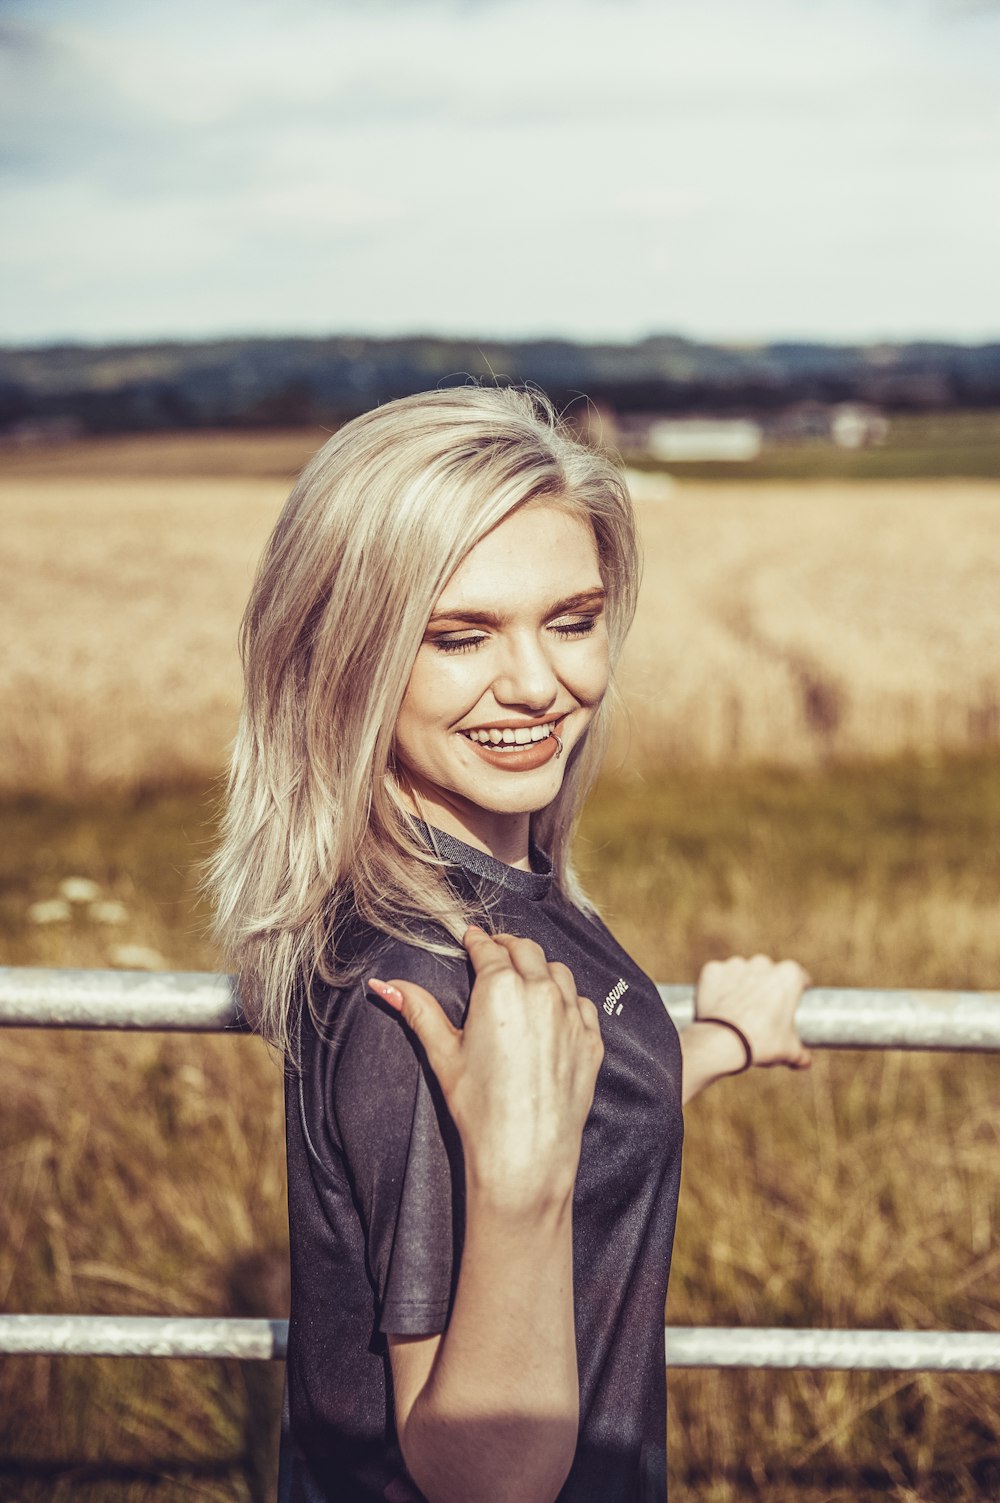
(248, 1340)
(167, 1001)
(828, 1017)
(202, 1002)
(252, 1340)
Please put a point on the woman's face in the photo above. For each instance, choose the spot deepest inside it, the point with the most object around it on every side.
(514, 656)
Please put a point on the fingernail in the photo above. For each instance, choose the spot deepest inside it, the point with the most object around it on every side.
(390, 994)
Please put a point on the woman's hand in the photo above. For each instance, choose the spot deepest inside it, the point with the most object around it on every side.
(760, 997)
(519, 1077)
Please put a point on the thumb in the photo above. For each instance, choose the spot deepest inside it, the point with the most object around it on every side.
(424, 1014)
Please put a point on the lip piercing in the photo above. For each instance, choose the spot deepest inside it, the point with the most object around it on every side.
(558, 742)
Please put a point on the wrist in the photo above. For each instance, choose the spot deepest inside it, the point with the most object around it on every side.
(719, 1049)
(519, 1199)
(735, 1032)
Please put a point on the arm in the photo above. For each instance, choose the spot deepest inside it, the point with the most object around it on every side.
(708, 1053)
(489, 1410)
(758, 995)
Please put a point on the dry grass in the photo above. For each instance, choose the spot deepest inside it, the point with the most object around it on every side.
(795, 623)
(277, 452)
(145, 1174)
(122, 599)
(803, 623)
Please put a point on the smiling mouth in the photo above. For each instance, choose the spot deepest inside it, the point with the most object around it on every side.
(512, 738)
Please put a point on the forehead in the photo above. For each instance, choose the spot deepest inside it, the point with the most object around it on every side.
(538, 552)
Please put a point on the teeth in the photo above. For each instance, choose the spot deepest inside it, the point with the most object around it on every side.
(521, 736)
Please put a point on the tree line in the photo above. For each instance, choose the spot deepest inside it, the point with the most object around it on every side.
(287, 382)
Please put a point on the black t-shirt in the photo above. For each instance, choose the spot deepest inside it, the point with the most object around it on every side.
(376, 1207)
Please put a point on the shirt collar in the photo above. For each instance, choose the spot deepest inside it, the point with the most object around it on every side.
(533, 884)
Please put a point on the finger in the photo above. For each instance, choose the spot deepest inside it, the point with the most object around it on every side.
(527, 957)
(589, 1014)
(424, 1014)
(793, 976)
(565, 980)
(798, 1056)
(483, 949)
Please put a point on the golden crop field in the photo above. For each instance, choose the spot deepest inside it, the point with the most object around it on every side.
(788, 622)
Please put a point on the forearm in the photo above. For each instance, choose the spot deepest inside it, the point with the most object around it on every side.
(498, 1416)
(708, 1052)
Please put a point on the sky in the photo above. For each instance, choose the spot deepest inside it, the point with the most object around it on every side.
(732, 170)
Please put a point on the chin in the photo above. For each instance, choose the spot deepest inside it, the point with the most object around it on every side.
(516, 801)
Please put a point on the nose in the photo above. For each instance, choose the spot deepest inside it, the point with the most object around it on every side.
(526, 679)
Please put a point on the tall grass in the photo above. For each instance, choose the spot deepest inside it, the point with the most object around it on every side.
(865, 1192)
(145, 1174)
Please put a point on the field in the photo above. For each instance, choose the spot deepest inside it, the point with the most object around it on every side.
(793, 623)
(808, 766)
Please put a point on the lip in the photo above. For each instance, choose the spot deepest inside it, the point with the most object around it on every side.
(526, 758)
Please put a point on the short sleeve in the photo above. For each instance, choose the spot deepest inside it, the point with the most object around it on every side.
(400, 1146)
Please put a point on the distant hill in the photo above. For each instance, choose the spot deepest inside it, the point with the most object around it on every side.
(288, 382)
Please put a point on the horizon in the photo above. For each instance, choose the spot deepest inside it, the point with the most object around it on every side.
(735, 346)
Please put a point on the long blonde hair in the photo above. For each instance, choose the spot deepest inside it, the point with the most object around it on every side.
(316, 829)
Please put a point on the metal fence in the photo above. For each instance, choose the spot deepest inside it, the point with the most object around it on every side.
(200, 1002)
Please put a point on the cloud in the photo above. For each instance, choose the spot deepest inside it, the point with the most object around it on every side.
(594, 167)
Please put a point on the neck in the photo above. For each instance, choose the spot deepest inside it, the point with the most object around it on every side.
(505, 837)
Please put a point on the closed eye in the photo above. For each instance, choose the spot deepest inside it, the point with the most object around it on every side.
(457, 644)
(580, 628)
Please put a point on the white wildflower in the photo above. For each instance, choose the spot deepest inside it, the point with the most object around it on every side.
(79, 890)
(108, 912)
(136, 958)
(51, 911)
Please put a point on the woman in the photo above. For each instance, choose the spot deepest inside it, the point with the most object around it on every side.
(483, 1092)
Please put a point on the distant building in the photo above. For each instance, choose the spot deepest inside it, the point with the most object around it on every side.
(855, 425)
(689, 440)
(849, 425)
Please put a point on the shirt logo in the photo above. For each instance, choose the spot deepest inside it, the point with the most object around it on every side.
(618, 990)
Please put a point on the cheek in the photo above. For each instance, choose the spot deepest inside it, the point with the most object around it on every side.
(592, 675)
(438, 692)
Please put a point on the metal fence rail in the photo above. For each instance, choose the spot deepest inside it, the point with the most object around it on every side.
(685, 1346)
(198, 1001)
(204, 1002)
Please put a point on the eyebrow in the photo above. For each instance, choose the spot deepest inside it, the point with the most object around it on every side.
(583, 601)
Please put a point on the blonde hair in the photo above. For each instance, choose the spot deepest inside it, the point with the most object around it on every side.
(316, 830)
